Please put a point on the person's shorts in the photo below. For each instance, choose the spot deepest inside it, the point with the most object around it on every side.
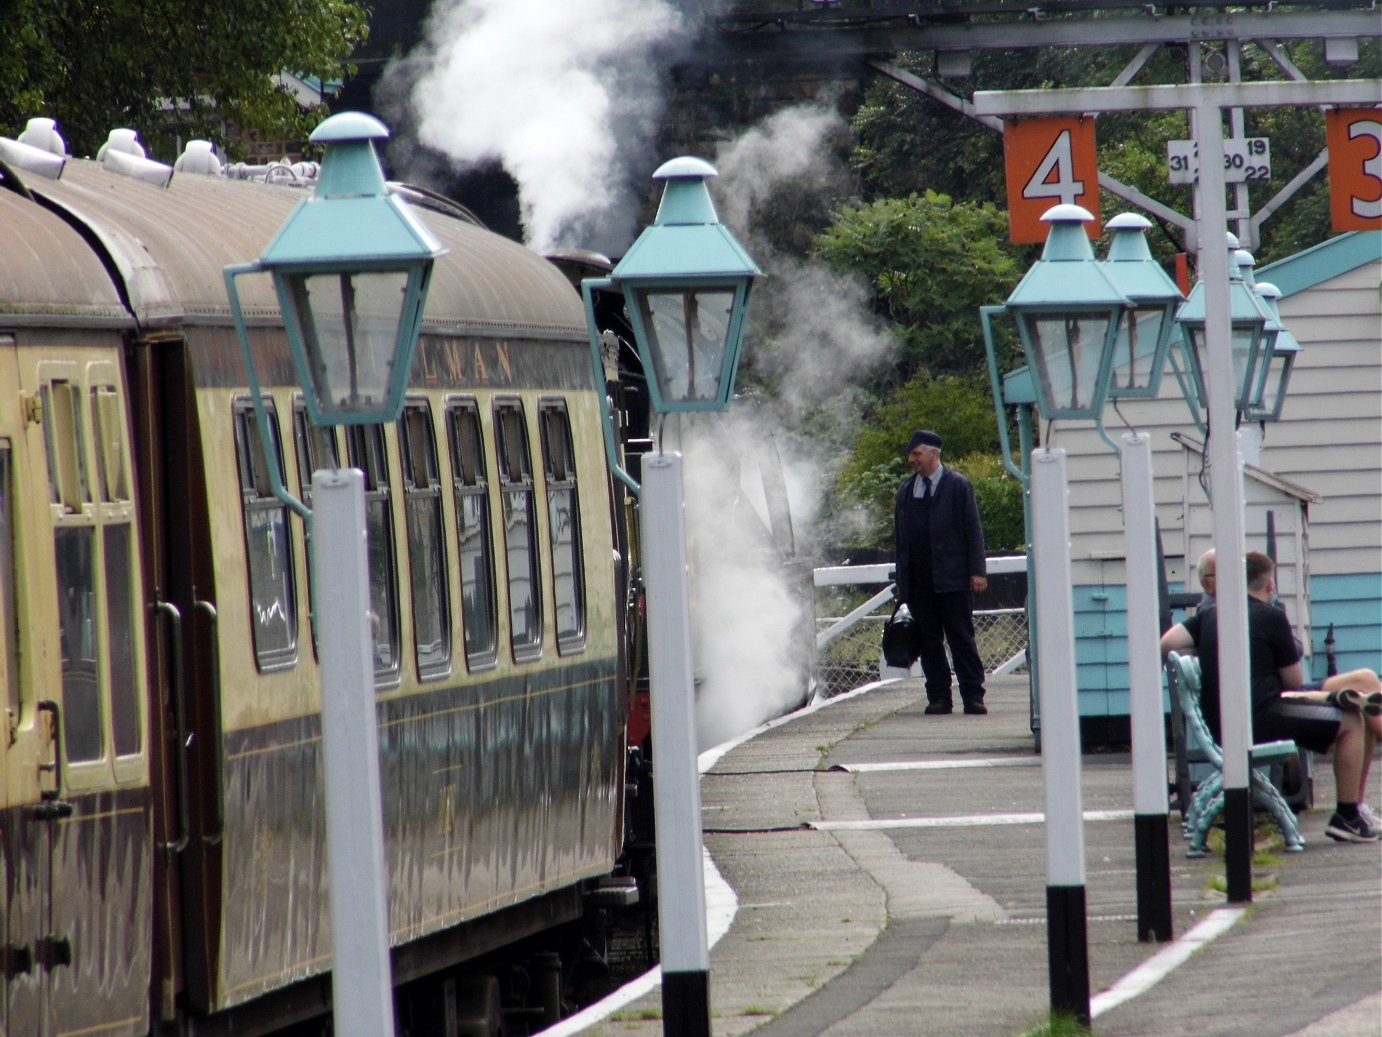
(1312, 725)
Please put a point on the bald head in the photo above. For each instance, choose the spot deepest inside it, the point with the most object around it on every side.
(1204, 569)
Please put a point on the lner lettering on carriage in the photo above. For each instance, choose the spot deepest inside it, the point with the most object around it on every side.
(464, 363)
(449, 362)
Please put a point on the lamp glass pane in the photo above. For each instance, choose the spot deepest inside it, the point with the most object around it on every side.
(687, 331)
(1134, 350)
(1272, 386)
(1243, 338)
(1067, 352)
(349, 327)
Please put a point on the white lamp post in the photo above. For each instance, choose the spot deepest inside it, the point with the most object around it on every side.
(351, 265)
(686, 284)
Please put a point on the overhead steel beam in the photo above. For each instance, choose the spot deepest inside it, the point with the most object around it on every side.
(789, 41)
(1272, 94)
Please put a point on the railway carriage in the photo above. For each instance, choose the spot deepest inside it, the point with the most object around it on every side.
(162, 852)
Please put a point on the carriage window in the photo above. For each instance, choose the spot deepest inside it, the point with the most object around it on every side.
(520, 529)
(273, 600)
(9, 620)
(62, 434)
(112, 478)
(78, 625)
(563, 517)
(365, 448)
(426, 540)
(475, 552)
(315, 448)
(120, 584)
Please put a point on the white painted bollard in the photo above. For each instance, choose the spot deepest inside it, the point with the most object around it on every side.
(685, 949)
(361, 978)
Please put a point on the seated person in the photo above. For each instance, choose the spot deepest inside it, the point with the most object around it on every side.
(1204, 569)
(1343, 712)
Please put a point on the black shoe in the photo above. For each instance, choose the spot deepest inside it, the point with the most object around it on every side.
(976, 709)
(1344, 830)
(939, 708)
(1351, 701)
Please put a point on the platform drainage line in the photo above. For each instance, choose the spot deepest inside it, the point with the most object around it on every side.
(1159, 966)
(963, 821)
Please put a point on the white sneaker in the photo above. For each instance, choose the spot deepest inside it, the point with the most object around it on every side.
(1369, 815)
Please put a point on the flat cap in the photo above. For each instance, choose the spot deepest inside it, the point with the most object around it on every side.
(924, 437)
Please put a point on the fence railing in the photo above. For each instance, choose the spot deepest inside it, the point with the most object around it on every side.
(850, 620)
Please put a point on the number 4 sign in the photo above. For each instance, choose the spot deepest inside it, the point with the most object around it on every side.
(1354, 137)
(1048, 162)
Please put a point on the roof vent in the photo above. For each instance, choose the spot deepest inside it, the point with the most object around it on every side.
(282, 172)
(43, 133)
(122, 153)
(38, 150)
(199, 157)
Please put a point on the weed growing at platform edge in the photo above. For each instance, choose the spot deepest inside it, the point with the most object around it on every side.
(1059, 1026)
(1266, 841)
(642, 1015)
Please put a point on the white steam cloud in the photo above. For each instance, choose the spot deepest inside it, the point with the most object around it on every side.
(563, 93)
(566, 96)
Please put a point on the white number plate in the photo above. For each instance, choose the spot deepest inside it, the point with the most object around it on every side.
(1246, 159)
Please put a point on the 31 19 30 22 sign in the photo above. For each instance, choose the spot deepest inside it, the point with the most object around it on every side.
(1354, 139)
(1049, 162)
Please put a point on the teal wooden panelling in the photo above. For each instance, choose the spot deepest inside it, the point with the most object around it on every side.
(1352, 602)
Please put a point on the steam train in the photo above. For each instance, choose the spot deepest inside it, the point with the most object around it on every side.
(162, 852)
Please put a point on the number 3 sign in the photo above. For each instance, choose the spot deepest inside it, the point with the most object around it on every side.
(1354, 137)
(1048, 162)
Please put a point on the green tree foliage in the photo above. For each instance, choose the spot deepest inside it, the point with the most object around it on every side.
(94, 65)
(931, 263)
(961, 410)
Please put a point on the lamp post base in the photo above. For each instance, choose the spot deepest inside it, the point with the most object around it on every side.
(686, 1004)
(1238, 844)
(1153, 877)
(1068, 951)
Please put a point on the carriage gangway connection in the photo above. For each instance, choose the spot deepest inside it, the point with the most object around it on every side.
(875, 871)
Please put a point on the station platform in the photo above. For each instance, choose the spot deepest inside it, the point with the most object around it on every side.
(905, 894)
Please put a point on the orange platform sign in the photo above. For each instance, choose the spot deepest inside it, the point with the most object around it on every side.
(1354, 139)
(1048, 162)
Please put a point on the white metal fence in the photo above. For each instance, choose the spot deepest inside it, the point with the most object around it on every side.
(854, 601)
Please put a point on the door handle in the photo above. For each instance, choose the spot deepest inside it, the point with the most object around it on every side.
(16, 961)
(49, 706)
(54, 952)
(50, 810)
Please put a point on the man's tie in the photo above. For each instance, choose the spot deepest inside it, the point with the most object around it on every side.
(925, 487)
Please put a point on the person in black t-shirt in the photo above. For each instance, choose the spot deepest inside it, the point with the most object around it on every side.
(1342, 713)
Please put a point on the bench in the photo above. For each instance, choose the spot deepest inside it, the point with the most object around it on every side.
(1208, 800)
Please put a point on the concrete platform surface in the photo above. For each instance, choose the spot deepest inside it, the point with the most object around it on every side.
(937, 926)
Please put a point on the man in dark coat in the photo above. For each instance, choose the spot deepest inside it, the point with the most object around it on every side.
(940, 567)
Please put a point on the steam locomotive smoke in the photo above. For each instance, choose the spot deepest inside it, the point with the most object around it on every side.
(565, 95)
(811, 333)
(562, 93)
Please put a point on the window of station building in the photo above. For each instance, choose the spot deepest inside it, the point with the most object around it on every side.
(268, 549)
(365, 450)
(422, 508)
(474, 541)
(564, 521)
(9, 578)
(520, 528)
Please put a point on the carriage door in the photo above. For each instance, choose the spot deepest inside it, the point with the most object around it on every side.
(89, 833)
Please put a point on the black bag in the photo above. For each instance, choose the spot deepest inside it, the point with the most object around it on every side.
(901, 645)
